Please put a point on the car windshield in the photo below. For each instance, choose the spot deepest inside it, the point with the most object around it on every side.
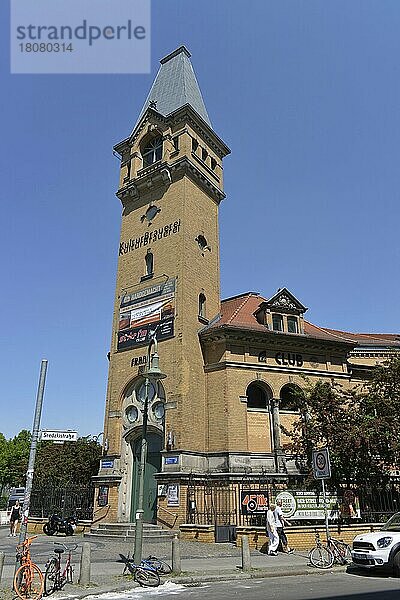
(393, 524)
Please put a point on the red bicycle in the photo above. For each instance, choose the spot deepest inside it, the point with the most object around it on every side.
(55, 577)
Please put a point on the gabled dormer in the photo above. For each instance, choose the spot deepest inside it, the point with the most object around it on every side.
(282, 313)
(172, 136)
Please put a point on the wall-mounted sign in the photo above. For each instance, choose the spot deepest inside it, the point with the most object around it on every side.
(58, 437)
(171, 460)
(102, 498)
(144, 312)
(173, 494)
(289, 359)
(107, 463)
(149, 237)
(253, 502)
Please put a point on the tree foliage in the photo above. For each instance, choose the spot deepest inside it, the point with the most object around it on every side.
(55, 465)
(58, 465)
(14, 456)
(360, 427)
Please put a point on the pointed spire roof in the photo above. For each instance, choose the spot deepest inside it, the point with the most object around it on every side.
(174, 86)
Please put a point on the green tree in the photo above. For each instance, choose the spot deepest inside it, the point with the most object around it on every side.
(14, 456)
(360, 427)
(58, 465)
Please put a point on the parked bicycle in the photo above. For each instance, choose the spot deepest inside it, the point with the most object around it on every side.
(145, 573)
(28, 579)
(323, 557)
(55, 576)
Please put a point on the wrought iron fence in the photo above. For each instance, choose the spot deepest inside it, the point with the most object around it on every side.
(377, 505)
(65, 501)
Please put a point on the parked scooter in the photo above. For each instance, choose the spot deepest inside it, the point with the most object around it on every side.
(57, 524)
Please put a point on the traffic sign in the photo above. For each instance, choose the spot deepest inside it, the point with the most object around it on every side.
(321, 463)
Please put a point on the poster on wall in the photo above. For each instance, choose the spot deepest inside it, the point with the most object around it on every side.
(173, 495)
(144, 312)
(253, 502)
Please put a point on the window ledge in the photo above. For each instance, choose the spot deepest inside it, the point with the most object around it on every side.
(146, 277)
(203, 320)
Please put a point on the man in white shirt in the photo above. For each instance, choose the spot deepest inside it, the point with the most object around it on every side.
(280, 523)
(272, 531)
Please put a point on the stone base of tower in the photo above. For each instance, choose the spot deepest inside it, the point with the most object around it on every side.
(218, 489)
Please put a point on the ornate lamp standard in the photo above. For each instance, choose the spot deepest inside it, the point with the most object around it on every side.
(153, 372)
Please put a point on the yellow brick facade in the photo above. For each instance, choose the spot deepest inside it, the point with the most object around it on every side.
(210, 435)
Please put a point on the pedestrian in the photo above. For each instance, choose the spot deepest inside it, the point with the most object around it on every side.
(272, 531)
(280, 523)
(14, 518)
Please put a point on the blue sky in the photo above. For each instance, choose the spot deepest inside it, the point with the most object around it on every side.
(305, 93)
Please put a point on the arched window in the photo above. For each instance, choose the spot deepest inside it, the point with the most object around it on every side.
(202, 305)
(149, 260)
(290, 396)
(152, 152)
(257, 396)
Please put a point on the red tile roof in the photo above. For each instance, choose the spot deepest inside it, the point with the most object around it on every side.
(238, 312)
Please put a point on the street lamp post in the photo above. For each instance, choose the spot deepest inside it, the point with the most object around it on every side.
(153, 372)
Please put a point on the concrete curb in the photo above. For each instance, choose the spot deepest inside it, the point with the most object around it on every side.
(192, 579)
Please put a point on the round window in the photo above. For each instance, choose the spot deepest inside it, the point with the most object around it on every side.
(159, 410)
(132, 414)
(141, 392)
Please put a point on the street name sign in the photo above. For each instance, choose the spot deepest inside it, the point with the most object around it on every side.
(58, 437)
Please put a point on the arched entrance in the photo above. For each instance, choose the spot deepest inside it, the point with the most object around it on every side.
(153, 466)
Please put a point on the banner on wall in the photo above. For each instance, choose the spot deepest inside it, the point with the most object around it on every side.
(144, 312)
(309, 506)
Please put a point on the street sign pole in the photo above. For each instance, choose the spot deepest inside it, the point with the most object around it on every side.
(32, 454)
(325, 510)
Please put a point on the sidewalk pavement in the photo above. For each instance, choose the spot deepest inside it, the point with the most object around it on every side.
(200, 562)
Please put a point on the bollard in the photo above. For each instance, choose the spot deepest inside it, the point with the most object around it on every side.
(2, 555)
(246, 562)
(84, 575)
(176, 555)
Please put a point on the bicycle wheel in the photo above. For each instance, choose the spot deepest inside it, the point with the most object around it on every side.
(28, 582)
(159, 565)
(146, 577)
(321, 557)
(344, 553)
(50, 577)
(69, 575)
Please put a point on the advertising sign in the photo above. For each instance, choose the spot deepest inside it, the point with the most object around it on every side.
(321, 463)
(308, 505)
(144, 312)
(253, 502)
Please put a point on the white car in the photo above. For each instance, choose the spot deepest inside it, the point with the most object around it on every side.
(379, 548)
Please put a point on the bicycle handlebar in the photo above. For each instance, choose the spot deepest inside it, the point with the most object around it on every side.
(69, 548)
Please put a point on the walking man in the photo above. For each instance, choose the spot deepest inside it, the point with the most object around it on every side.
(272, 531)
(280, 523)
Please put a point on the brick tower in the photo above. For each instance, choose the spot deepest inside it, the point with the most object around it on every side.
(168, 282)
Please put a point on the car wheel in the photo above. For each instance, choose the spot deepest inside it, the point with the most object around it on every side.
(396, 565)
